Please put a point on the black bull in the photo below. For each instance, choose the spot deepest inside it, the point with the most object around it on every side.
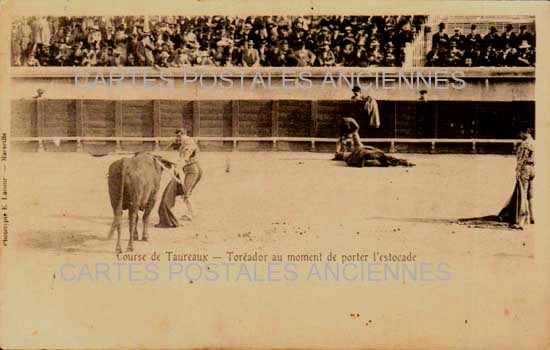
(133, 185)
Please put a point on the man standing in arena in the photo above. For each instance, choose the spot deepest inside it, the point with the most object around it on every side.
(518, 212)
(188, 169)
(349, 128)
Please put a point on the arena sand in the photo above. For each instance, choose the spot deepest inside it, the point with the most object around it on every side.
(285, 203)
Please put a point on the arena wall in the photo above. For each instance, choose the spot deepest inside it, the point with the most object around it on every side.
(480, 84)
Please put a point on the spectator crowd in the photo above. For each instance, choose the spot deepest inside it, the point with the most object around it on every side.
(494, 49)
(179, 41)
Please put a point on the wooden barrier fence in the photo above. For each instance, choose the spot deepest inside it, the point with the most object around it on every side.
(273, 140)
(136, 124)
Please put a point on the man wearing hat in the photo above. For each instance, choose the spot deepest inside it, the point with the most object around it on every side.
(362, 55)
(455, 55)
(103, 57)
(203, 58)
(250, 56)
(336, 36)
(32, 61)
(361, 37)
(524, 35)
(260, 33)
(348, 53)
(326, 57)
(526, 57)
(144, 49)
(508, 37)
(473, 39)
(162, 61)
(424, 116)
(303, 56)
(297, 38)
(509, 57)
(323, 36)
(120, 34)
(389, 59)
(247, 29)
(284, 32)
(263, 51)
(182, 58)
(279, 56)
(492, 38)
(423, 95)
(94, 37)
(118, 59)
(440, 39)
(79, 33)
(184, 180)
(458, 39)
(375, 56)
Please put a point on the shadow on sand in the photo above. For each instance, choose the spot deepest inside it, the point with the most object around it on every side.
(489, 221)
(68, 240)
(416, 220)
(486, 222)
(59, 239)
(102, 220)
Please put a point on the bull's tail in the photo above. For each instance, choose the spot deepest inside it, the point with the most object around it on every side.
(119, 207)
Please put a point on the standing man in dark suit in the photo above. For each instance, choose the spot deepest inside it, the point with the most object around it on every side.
(524, 35)
(472, 40)
(508, 37)
(441, 39)
(492, 38)
(458, 39)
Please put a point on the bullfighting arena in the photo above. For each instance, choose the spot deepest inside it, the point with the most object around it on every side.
(278, 202)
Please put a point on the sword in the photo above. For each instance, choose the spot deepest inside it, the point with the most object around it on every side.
(171, 171)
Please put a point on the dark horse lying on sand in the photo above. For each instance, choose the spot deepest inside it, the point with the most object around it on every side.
(368, 156)
(363, 156)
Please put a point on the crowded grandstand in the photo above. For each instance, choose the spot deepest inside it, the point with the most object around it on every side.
(494, 49)
(261, 41)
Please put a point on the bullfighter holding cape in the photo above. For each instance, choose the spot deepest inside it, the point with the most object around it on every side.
(518, 212)
(189, 170)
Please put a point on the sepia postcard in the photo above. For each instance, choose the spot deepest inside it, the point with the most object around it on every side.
(305, 174)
